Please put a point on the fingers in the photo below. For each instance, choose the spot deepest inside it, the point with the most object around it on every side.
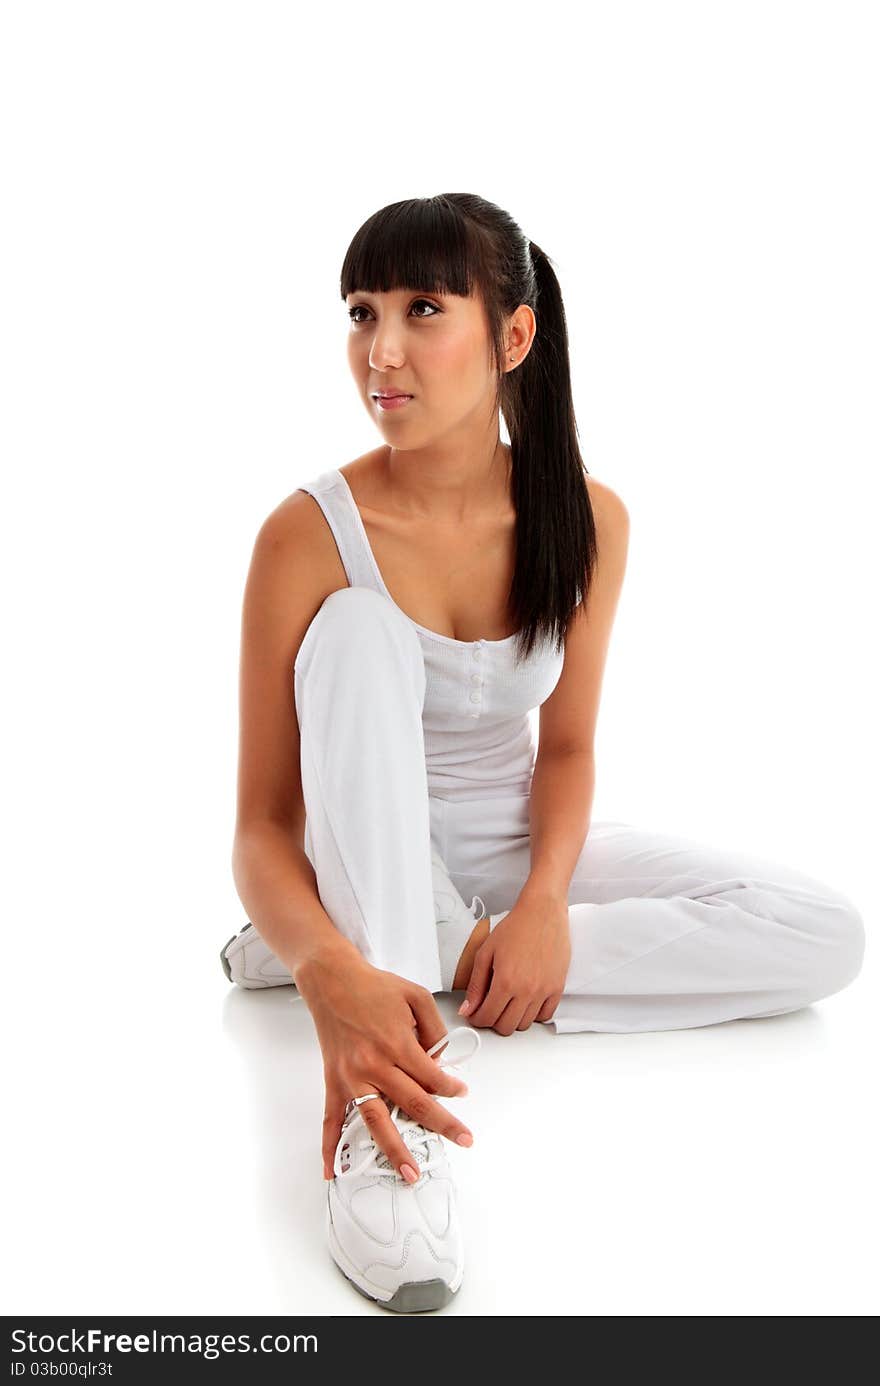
(530, 1015)
(505, 1012)
(377, 1120)
(429, 1022)
(490, 1008)
(430, 1029)
(416, 1104)
(477, 987)
(548, 1009)
(510, 1017)
(334, 1111)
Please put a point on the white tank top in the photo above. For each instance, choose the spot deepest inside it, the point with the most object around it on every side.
(479, 739)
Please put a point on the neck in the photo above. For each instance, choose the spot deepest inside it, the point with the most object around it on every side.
(448, 488)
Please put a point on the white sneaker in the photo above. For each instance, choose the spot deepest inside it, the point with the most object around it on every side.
(399, 1244)
(251, 963)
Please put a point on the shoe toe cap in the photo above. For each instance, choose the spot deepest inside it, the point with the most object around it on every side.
(416, 1261)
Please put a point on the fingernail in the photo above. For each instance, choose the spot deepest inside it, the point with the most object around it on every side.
(464, 1139)
(464, 1008)
(463, 1090)
(409, 1174)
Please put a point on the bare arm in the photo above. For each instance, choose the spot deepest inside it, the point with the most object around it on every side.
(563, 785)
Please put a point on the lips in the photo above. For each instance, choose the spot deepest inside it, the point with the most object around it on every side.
(391, 394)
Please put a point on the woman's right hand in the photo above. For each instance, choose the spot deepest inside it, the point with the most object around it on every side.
(374, 1028)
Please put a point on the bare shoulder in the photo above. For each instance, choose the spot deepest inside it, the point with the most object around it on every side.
(299, 519)
(296, 532)
(604, 500)
(294, 521)
(294, 567)
(609, 513)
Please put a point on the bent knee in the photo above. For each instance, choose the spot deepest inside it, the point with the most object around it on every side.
(354, 604)
(356, 622)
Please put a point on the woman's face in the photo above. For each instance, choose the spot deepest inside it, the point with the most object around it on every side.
(435, 348)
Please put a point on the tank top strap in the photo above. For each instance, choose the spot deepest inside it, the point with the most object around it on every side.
(328, 490)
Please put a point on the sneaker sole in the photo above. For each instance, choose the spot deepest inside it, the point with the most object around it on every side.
(412, 1297)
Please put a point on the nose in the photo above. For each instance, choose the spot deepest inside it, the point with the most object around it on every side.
(383, 360)
(386, 350)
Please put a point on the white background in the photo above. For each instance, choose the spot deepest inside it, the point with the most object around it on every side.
(181, 182)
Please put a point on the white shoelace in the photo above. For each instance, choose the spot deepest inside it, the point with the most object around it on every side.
(414, 1135)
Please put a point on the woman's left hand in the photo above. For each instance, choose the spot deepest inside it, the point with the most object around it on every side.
(519, 971)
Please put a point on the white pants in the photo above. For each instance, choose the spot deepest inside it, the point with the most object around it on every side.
(666, 933)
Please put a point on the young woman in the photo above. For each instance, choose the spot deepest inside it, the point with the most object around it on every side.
(426, 597)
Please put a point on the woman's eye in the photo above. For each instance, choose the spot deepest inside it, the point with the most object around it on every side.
(359, 308)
